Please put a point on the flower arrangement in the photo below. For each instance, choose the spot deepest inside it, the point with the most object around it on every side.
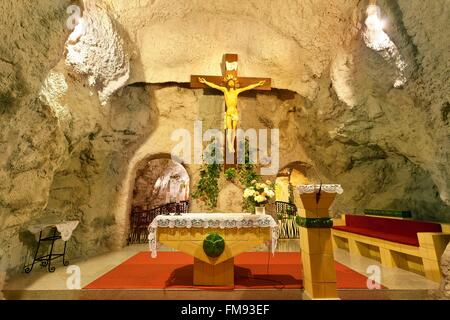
(259, 193)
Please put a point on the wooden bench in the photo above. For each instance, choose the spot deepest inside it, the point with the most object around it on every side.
(403, 243)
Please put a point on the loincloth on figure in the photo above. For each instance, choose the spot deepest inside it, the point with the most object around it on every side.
(233, 115)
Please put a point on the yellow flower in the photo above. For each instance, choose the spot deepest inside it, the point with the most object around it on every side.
(260, 198)
(260, 186)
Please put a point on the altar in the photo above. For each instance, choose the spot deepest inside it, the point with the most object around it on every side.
(231, 233)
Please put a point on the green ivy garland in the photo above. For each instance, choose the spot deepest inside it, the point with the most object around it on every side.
(230, 174)
(246, 170)
(314, 222)
(247, 173)
(207, 188)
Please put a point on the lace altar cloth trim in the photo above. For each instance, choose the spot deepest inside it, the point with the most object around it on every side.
(65, 228)
(212, 220)
(330, 188)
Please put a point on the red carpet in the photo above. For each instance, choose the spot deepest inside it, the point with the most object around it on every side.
(174, 270)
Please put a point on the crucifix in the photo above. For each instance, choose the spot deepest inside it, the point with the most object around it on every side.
(231, 85)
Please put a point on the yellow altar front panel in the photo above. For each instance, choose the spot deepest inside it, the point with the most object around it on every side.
(190, 241)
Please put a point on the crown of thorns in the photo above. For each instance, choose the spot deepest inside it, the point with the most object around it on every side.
(229, 77)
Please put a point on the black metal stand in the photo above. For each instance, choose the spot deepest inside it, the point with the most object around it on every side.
(46, 260)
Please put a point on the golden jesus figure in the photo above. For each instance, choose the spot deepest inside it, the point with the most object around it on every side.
(231, 116)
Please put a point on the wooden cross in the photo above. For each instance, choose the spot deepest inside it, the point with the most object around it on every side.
(230, 68)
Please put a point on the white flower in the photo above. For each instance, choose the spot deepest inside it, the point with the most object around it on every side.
(248, 193)
(269, 192)
(260, 198)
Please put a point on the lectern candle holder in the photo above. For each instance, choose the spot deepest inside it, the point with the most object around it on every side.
(319, 273)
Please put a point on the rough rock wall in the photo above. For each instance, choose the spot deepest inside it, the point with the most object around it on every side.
(431, 86)
(85, 186)
(97, 142)
(31, 143)
(96, 49)
(63, 154)
(366, 150)
(378, 126)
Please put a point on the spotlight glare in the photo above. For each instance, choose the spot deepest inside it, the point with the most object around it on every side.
(378, 40)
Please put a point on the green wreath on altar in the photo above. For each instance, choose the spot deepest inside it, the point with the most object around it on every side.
(213, 245)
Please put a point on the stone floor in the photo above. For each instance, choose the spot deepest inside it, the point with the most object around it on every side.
(43, 285)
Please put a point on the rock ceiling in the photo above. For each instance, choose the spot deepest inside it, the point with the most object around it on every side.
(293, 43)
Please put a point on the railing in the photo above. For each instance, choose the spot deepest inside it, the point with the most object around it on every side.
(288, 229)
(286, 213)
(282, 207)
(140, 219)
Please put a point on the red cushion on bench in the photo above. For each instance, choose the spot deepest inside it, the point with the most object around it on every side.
(396, 230)
(412, 241)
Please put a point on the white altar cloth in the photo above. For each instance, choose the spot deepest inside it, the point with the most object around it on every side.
(329, 188)
(212, 220)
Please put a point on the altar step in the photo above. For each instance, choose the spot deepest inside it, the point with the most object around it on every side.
(253, 270)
